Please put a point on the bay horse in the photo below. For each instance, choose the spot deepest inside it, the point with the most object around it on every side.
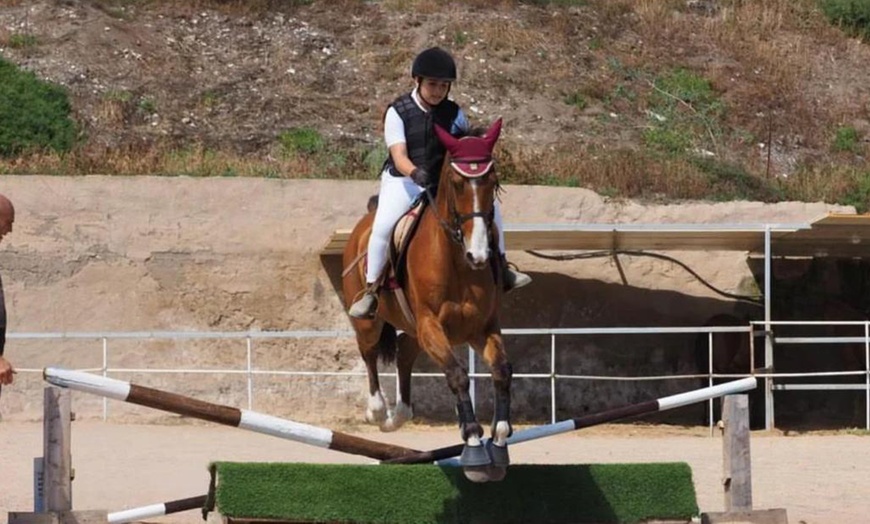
(453, 286)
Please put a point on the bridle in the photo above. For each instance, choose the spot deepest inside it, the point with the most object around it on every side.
(453, 227)
(471, 158)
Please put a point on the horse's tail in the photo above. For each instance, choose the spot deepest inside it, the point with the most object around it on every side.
(387, 344)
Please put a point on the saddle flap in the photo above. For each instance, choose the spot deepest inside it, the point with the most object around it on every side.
(403, 231)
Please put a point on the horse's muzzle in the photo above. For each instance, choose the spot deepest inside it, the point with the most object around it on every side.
(477, 261)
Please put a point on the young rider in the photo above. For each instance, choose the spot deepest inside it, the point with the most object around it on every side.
(415, 159)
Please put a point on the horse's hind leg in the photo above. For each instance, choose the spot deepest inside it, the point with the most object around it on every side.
(408, 349)
(371, 350)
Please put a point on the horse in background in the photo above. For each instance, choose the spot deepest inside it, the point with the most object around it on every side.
(453, 286)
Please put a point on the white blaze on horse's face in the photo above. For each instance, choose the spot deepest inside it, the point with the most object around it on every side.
(472, 192)
(477, 250)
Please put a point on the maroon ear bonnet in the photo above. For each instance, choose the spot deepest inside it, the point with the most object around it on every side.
(471, 156)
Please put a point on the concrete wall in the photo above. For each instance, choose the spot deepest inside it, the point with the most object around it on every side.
(229, 254)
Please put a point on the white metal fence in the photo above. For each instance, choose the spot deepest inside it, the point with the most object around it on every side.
(773, 381)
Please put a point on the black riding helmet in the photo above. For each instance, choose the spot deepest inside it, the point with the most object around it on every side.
(434, 63)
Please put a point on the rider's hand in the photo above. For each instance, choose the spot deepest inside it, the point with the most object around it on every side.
(421, 177)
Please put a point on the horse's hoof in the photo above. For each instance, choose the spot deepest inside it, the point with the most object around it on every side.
(477, 474)
(498, 454)
(391, 424)
(376, 417)
(496, 473)
(474, 456)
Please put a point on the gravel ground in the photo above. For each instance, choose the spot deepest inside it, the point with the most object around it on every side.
(817, 478)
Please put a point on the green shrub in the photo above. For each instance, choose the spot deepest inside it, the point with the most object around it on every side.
(851, 15)
(667, 139)
(860, 195)
(577, 99)
(301, 140)
(728, 181)
(846, 139)
(22, 41)
(685, 112)
(34, 115)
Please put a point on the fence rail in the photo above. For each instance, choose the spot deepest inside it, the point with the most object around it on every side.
(774, 380)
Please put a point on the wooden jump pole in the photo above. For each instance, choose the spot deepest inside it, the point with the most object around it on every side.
(157, 510)
(228, 416)
(631, 410)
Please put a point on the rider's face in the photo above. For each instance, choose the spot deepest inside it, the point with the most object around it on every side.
(433, 91)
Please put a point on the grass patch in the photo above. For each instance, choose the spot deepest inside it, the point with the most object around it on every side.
(34, 115)
(22, 41)
(684, 112)
(601, 493)
(846, 139)
(852, 15)
(301, 140)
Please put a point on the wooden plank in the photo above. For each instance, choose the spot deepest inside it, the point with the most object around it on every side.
(831, 235)
(61, 517)
(758, 516)
(839, 219)
(57, 458)
(736, 460)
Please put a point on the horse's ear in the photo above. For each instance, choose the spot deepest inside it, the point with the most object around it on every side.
(492, 134)
(449, 141)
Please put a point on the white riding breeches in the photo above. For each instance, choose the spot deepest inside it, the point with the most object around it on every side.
(395, 197)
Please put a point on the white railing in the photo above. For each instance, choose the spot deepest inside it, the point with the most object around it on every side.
(250, 370)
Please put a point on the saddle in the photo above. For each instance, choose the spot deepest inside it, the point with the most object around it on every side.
(395, 274)
(397, 271)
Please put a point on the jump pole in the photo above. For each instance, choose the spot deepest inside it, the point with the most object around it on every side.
(157, 510)
(631, 410)
(228, 416)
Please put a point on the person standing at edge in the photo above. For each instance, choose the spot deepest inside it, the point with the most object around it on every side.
(414, 163)
(7, 217)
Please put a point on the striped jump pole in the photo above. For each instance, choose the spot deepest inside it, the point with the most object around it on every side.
(157, 510)
(228, 416)
(643, 408)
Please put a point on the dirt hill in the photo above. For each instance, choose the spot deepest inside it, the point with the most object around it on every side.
(751, 90)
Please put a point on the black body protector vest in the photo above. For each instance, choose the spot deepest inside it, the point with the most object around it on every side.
(424, 148)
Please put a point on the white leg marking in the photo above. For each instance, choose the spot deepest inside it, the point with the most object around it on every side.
(376, 412)
(397, 418)
(500, 435)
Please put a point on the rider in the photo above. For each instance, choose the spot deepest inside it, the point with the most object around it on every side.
(414, 163)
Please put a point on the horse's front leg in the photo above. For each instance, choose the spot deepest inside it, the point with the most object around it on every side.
(474, 459)
(502, 373)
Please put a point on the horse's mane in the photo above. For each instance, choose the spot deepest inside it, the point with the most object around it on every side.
(477, 131)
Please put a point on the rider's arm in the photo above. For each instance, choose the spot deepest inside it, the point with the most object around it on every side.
(394, 135)
(460, 125)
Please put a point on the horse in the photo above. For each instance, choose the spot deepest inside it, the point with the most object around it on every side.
(453, 287)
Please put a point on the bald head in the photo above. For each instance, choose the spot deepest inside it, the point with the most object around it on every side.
(7, 216)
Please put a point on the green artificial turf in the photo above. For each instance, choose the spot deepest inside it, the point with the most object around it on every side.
(428, 493)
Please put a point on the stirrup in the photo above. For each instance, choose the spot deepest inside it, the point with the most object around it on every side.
(514, 279)
(366, 306)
